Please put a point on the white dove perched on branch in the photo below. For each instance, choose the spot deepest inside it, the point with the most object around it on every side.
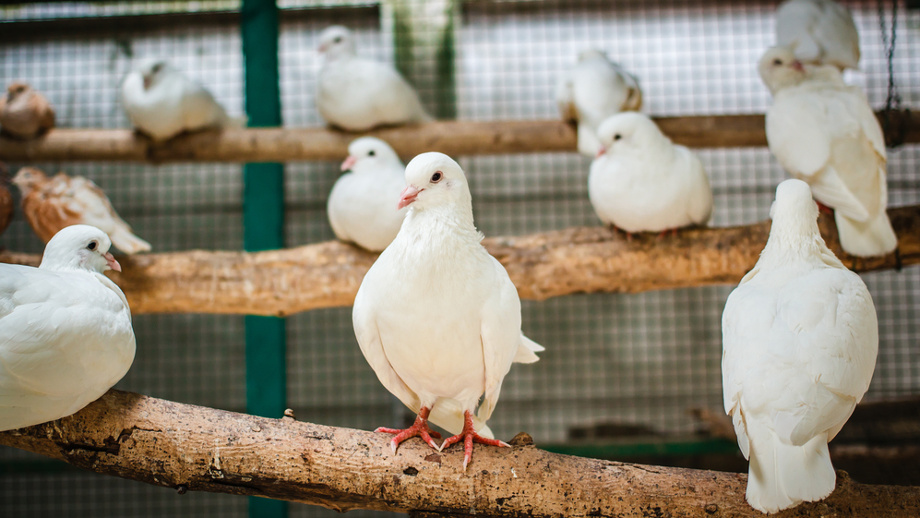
(642, 182)
(161, 102)
(436, 316)
(65, 330)
(357, 94)
(800, 338)
(823, 131)
(593, 91)
(818, 32)
(50, 204)
(360, 205)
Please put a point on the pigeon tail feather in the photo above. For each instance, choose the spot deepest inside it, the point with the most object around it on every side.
(128, 243)
(448, 414)
(866, 238)
(781, 475)
(525, 352)
(588, 143)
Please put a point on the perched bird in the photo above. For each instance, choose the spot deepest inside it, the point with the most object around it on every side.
(436, 316)
(593, 91)
(642, 182)
(360, 206)
(25, 113)
(65, 330)
(50, 204)
(162, 103)
(799, 338)
(823, 131)
(819, 32)
(358, 94)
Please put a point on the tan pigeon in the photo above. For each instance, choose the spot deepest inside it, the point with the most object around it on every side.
(25, 113)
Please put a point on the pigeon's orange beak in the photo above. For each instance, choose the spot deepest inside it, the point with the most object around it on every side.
(600, 152)
(409, 194)
(349, 163)
(110, 260)
(797, 65)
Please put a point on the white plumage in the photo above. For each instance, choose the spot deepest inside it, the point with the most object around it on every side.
(800, 338)
(357, 94)
(436, 316)
(642, 181)
(161, 102)
(824, 132)
(593, 91)
(65, 330)
(362, 203)
(819, 32)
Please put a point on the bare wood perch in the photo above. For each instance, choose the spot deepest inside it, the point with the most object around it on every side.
(192, 448)
(455, 138)
(551, 264)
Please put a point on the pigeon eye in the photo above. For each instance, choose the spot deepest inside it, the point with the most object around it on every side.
(777, 62)
(92, 245)
(157, 67)
(617, 136)
(338, 39)
(436, 177)
(371, 153)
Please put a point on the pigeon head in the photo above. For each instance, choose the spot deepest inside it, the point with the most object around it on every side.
(371, 152)
(434, 180)
(152, 71)
(28, 178)
(79, 247)
(779, 69)
(16, 89)
(587, 54)
(627, 130)
(335, 42)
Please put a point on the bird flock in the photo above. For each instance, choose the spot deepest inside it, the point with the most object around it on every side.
(436, 316)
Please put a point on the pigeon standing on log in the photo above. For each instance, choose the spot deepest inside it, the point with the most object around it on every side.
(50, 204)
(65, 330)
(820, 32)
(593, 91)
(161, 102)
(642, 182)
(800, 338)
(436, 316)
(360, 206)
(357, 94)
(823, 131)
(25, 113)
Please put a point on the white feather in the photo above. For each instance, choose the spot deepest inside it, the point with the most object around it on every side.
(819, 31)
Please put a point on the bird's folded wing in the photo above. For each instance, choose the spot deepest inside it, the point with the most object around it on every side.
(798, 133)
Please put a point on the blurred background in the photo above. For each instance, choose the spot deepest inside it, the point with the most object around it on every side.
(621, 375)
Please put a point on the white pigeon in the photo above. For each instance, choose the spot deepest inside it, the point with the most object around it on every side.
(161, 102)
(823, 131)
(642, 182)
(357, 94)
(436, 316)
(65, 330)
(593, 91)
(799, 338)
(360, 205)
(819, 32)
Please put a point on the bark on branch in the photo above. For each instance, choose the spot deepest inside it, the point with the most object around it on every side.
(192, 448)
(550, 264)
(451, 137)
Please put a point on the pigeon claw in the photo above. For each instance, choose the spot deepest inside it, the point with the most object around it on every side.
(468, 435)
(419, 428)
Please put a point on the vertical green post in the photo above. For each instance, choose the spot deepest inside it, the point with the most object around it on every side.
(263, 222)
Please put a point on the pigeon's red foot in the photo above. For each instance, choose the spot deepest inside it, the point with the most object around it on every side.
(419, 428)
(469, 436)
(668, 232)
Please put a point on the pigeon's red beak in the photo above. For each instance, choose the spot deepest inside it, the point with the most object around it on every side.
(409, 194)
(147, 81)
(322, 48)
(797, 65)
(349, 163)
(600, 152)
(110, 260)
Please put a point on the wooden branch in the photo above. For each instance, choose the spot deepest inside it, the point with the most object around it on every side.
(551, 264)
(192, 448)
(456, 138)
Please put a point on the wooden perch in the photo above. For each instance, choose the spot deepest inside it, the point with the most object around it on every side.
(191, 448)
(456, 138)
(551, 264)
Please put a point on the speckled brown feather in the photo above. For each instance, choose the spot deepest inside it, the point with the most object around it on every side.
(6, 207)
(25, 113)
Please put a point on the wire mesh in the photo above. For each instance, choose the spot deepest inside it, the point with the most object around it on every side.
(635, 363)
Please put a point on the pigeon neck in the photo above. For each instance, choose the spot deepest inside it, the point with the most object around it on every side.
(457, 216)
(799, 237)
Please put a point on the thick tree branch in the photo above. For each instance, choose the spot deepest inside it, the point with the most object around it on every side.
(451, 137)
(200, 449)
(550, 264)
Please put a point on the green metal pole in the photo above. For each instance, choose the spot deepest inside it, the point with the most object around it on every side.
(263, 222)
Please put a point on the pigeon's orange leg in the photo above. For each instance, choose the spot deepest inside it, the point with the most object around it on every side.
(469, 436)
(419, 428)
